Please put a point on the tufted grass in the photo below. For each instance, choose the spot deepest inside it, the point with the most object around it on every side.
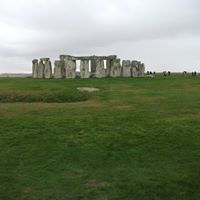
(134, 139)
(39, 93)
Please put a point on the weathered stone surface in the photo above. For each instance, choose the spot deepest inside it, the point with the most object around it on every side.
(141, 70)
(69, 57)
(47, 69)
(126, 68)
(100, 71)
(70, 67)
(115, 68)
(35, 68)
(41, 69)
(134, 68)
(84, 69)
(44, 59)
(59, 69)
(111, 57)
(108, 67)
(66, 67)
(93, 66)
(96, 57)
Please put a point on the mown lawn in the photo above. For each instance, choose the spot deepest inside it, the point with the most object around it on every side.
(135, 139)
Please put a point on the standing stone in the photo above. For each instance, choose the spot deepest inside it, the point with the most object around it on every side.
(134, 68)
(84, 69)
(141, 70)
(35, 68)
(108, 67)
(100, 71)
(59, 69)
(126, 68)
(70, 67)
(115, 68)
(109, 60)
(93, 66)
(47, 69)
(41, 69)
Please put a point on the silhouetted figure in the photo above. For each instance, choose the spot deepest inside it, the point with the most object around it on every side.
(154, 73)
(164, 73)
(169, 73)
(184, 73)
(195, 73)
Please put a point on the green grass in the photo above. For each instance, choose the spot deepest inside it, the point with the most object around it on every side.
(135, 139)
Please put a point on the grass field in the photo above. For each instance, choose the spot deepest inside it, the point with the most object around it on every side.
(135, 139)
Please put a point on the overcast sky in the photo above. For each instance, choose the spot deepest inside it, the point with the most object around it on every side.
(164, 34)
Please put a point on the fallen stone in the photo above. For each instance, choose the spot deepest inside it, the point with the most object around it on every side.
(87, 89)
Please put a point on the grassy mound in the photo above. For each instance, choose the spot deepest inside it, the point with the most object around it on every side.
(57, 97)
(32, 91)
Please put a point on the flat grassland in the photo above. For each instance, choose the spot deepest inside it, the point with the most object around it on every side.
(135, 139)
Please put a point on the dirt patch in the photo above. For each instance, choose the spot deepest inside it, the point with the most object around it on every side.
(96, 183)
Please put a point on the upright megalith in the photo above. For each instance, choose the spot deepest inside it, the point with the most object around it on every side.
(84, 69)
(66, 67)
(70, 67)
(108, 67)
(93, 66)
(47, 69)
(100, 70)
(115, 68)
(134, 68)
(35, 68)
(141, 70)
(126, 68)
(41, 69)
(59, 69)
(109, 61)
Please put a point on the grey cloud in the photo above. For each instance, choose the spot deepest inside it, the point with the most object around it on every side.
(127, 27)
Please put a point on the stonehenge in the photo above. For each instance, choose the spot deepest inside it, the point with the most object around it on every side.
(84, 69)
(126, 68)
(47, 69)
(40, 70)
(35, 68)
(90, 66)
(70, 67)
(115, 70)
(59, 69)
